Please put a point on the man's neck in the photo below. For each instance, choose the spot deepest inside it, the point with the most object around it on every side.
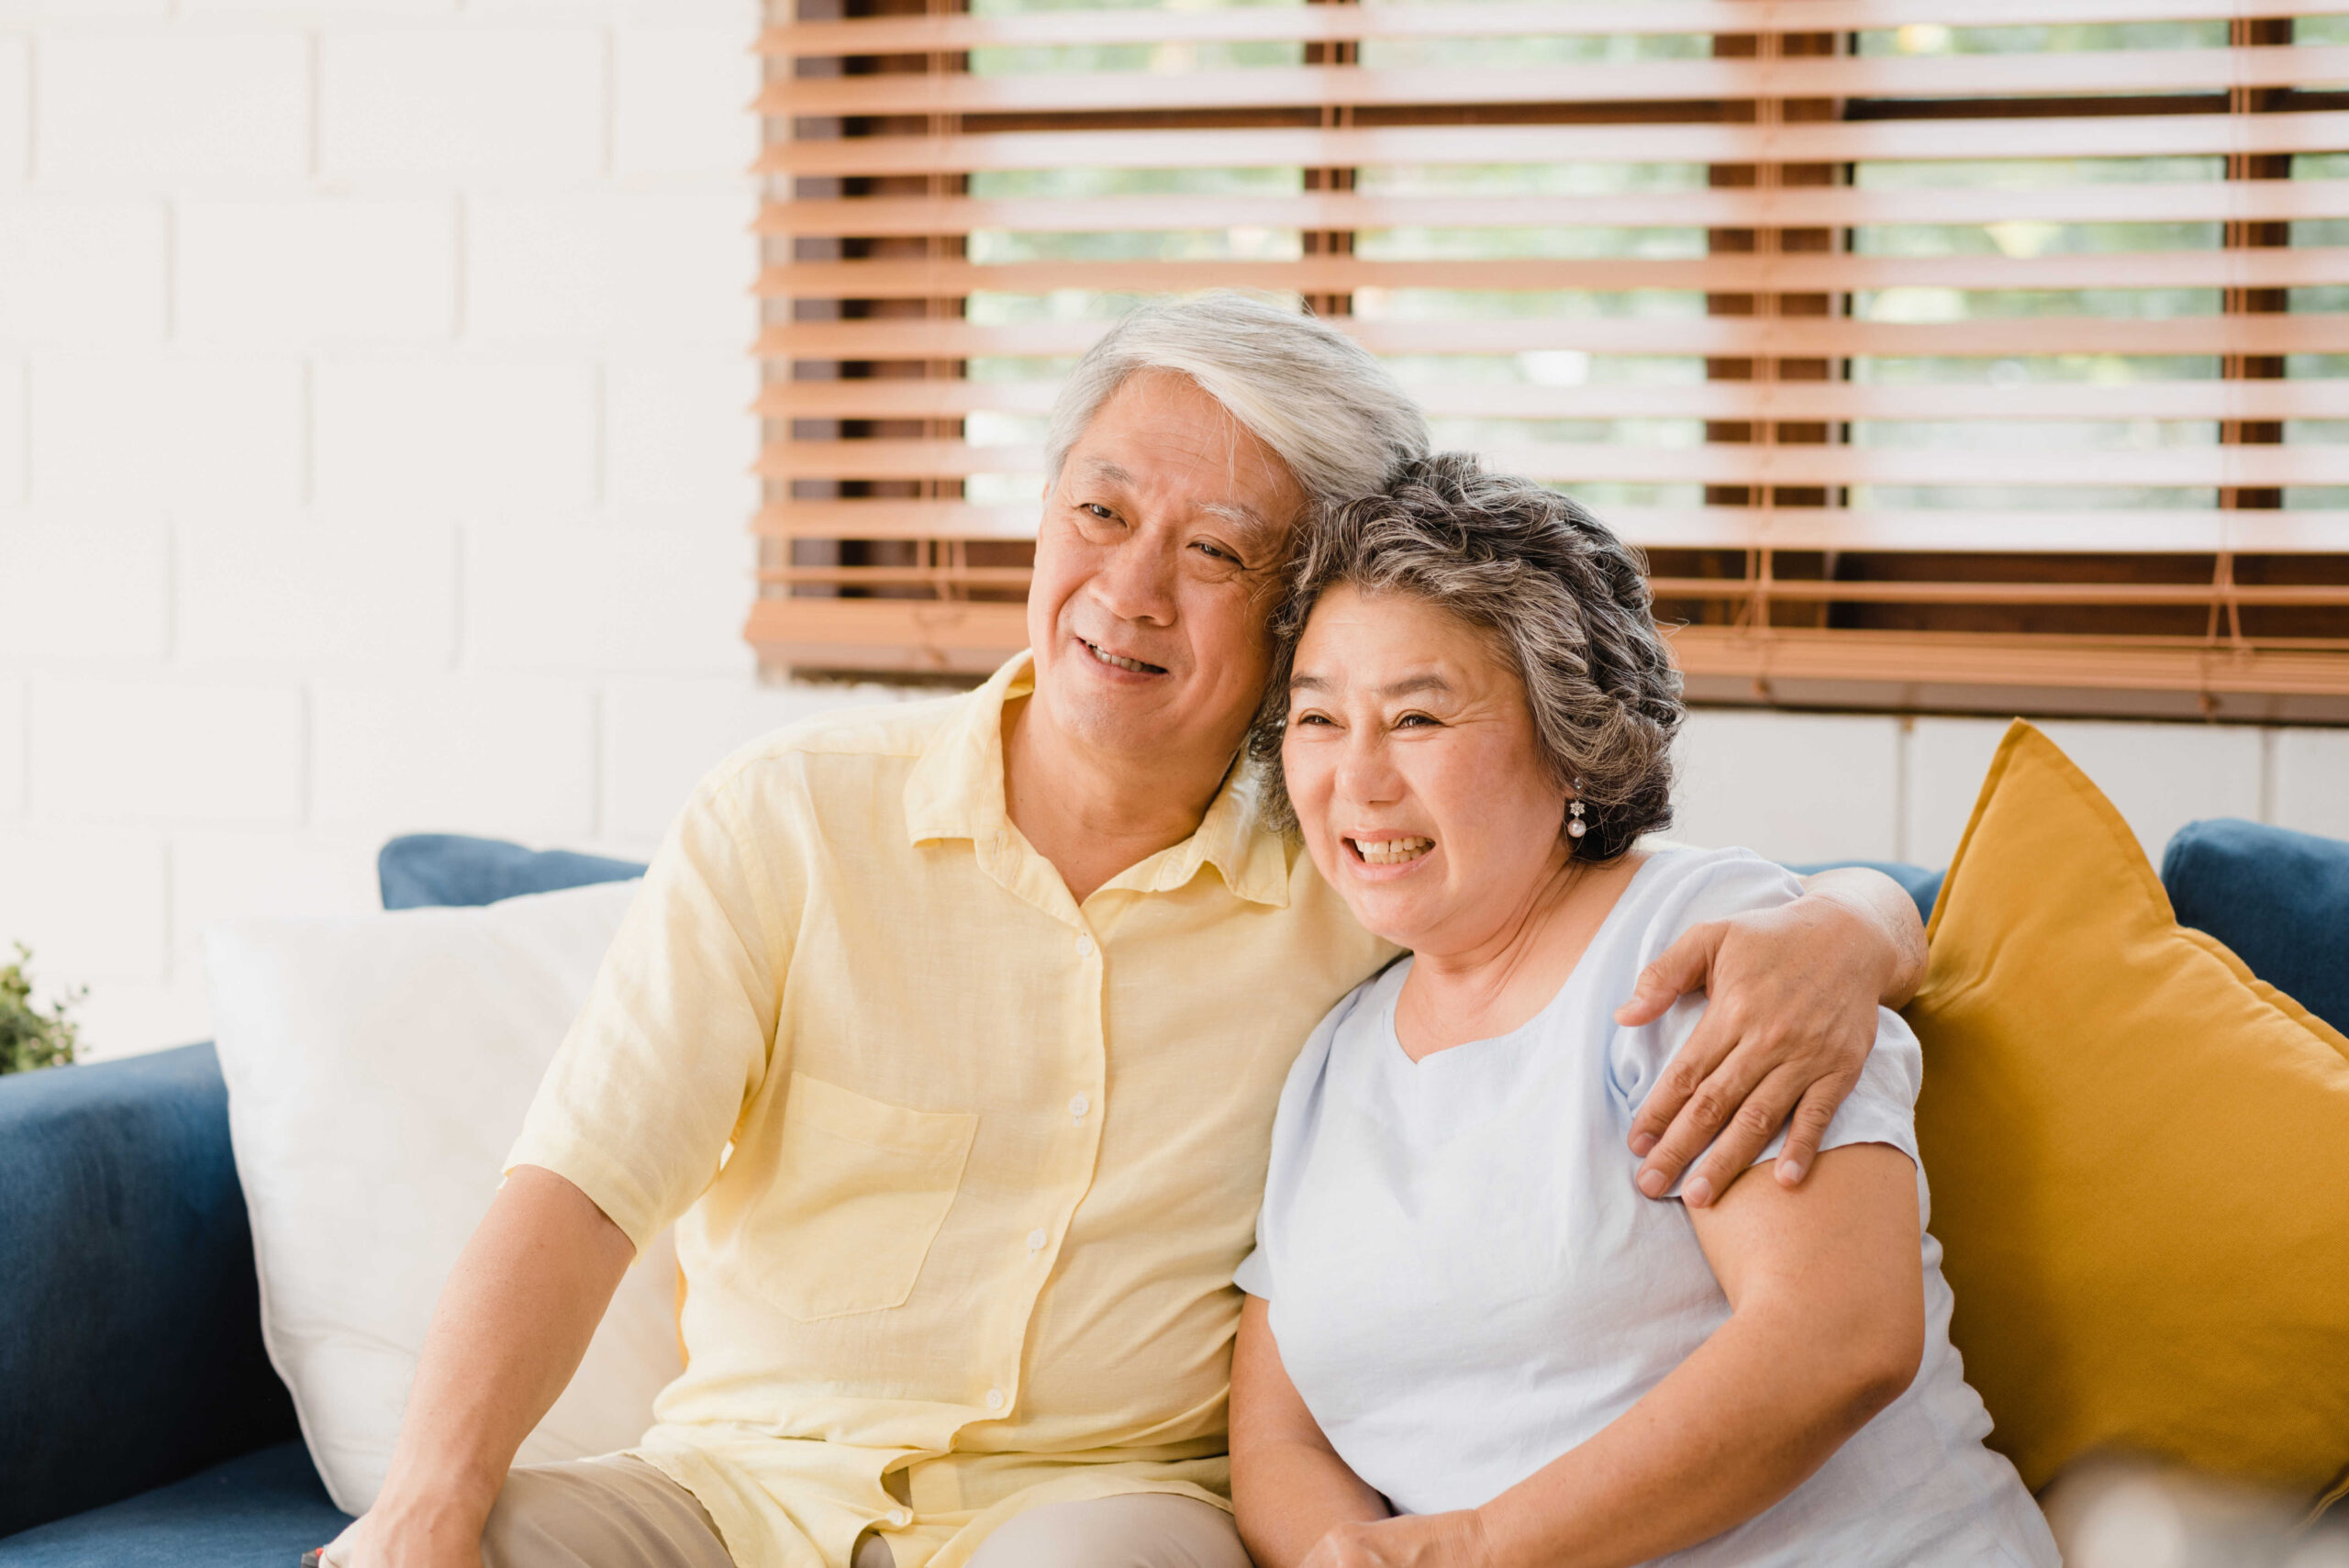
(1094, 813)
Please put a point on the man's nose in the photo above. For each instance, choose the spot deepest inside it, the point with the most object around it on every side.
(1137, 582)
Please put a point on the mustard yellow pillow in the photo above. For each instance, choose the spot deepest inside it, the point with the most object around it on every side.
(2139, 1155)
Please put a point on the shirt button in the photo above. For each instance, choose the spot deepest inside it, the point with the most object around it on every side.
(1083, 945)
(1078, 1105)
(995, 1398)
(1036, 1239)
(900, 1518)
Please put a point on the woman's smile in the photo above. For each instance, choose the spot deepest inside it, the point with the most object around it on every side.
(1388, 854)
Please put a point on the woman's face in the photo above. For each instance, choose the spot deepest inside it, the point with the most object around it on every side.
(1411, 758)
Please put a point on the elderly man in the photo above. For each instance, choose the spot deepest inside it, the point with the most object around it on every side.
(950, 1035)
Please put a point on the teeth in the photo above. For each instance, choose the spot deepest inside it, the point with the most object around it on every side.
(1136, 665)
(1392, 851)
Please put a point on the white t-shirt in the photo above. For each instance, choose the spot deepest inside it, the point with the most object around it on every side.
(1465, 1283)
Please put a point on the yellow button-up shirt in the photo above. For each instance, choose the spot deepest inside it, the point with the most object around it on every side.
(960, 1168)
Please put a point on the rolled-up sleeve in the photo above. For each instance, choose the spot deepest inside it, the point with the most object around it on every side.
(679, 1030)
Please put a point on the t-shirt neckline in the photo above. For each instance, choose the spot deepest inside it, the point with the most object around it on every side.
(1392, 1044)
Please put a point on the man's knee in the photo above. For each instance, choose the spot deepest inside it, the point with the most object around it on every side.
(1142, 1529)
(528, 1522)
(612, 1512)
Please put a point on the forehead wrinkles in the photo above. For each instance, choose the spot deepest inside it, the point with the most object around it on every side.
(1208, 422)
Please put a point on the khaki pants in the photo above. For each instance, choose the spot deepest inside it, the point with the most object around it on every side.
(616, 1512)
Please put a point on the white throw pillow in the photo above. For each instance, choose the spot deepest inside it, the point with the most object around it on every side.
(2119, 1511)
(378, 1069)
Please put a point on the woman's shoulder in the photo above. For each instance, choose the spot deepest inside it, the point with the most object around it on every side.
(1363, 1007)
(1680, 885)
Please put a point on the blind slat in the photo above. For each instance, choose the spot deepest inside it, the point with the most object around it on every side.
(1720, 336)
(1957, 660)
(913, 634)
(1670, 81)
(2214, 201)
(897, 520)
(952, 33)
(910, 635)
(867, 398)
(2277, 267)
(2177, 531)
(1784, 590)
(1831, 141)
(1713, 463)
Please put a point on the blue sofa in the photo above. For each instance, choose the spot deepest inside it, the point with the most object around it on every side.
(140, 1422)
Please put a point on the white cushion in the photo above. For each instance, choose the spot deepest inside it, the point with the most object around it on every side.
(2133, 1511)
(378, 1068)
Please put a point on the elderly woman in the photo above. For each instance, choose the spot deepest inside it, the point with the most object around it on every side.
(1468, 1339)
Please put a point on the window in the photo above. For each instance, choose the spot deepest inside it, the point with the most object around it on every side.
(1987, 355)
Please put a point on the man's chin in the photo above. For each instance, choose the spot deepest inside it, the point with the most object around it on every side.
(1120, 722)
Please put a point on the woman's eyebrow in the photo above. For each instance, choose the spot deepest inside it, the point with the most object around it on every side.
(1430, 681)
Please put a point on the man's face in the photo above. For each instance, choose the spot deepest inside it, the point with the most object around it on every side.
(1156, 569)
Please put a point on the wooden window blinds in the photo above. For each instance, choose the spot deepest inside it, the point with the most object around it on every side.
(1987, 353)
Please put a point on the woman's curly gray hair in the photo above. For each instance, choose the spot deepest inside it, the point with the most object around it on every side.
(1563, 599)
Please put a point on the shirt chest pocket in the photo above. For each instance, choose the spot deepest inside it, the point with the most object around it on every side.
(861, 1188)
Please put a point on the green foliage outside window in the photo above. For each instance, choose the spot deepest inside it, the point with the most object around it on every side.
(30, 1038)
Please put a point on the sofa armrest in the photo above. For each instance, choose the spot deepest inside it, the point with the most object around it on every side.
(130, 1349)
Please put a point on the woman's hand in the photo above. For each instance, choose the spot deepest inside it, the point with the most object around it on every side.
(1789, 1019)
(1455, 1540)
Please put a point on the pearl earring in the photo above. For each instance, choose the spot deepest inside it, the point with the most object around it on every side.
(1575, 827)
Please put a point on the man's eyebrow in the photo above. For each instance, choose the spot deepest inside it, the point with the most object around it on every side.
(1256, 531)
(1102, 468)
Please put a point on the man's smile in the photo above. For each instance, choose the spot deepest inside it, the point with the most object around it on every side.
(1118, 662)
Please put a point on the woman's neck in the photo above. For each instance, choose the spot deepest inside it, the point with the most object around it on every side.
(1496, 979)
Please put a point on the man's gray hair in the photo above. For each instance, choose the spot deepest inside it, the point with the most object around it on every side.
(1564, 601)
(1333, 413)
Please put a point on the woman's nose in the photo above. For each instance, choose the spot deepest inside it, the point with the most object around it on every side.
(1367, 771)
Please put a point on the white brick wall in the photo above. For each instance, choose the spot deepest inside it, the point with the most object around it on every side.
(464, 103)
(494, 755)
(2309, 781)
(16, 98)
(306, 593)
(147, 749)
(130, 109)
(12, 748)
(374, 441)
(12, 432)
(116, 430)
(84, 590)
(83, 272)
(309, 271)
(373, 414)
(1794, 786)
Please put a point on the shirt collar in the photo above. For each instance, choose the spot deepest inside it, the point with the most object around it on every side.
(956, 792)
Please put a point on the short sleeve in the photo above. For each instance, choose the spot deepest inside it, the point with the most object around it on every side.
(1293, 1132)
(1255, 1275)
(678, 1032)
(1881, 1108)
